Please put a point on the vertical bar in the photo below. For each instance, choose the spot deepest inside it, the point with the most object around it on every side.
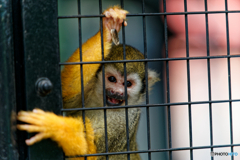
(167, 79)
(146, 81)
(229, 79)
(18, 47)
(209, 77)
(59, 60)
(103, 79)
(33, 16)
(188, 80)
(8, 146)
(80, 55)
(125, 86)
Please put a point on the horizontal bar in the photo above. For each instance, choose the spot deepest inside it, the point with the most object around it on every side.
(151, 14)
(155, 150)
(151, 60)
(150, 105)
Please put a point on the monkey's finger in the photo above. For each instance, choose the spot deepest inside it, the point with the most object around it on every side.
(117, 27)
(121, 14)
(37, 114)
(28, 113)
(120, 20)
(107, 14)
(117, 14)
(124, 11)
(115, 9)
(37, 110)
(114, 25)
(29, 128)
(113, 14)
(29, 119)
(108, 23)
(125, 23)
(38, 137)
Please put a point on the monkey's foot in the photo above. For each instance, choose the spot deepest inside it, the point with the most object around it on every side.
(115, 16)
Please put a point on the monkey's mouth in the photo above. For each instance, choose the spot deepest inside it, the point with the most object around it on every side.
(114, 98)
(114, 102)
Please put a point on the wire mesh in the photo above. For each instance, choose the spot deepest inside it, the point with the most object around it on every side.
(168, 103)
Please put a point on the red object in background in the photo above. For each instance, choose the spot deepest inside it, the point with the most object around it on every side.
(197, 25)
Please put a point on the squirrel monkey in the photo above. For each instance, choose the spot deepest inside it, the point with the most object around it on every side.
(75, 137)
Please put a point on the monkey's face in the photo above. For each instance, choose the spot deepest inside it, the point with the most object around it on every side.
(115, 89)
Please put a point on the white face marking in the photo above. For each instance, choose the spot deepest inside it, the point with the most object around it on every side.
(133, 90)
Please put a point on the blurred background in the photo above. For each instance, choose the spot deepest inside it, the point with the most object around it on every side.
(222, 84)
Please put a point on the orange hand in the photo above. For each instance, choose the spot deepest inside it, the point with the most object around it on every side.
(68, 132)
(37, 123)
(115, 16)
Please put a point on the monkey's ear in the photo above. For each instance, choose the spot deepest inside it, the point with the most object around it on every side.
(153, 77)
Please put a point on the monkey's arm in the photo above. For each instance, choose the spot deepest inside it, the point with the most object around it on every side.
(91, 51)
(68, 132)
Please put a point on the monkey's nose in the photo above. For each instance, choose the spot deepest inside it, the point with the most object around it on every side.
(118, 93)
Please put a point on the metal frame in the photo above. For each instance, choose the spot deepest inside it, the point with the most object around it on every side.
(29, 50)
(168, 103)
(8, 145)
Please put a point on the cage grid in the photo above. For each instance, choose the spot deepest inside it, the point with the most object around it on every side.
(168, 103)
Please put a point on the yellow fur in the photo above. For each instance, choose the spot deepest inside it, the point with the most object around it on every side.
(71, 73)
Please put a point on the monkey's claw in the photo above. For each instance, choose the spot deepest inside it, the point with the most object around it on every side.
(114, 35)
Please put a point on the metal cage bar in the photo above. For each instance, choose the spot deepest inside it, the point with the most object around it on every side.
(229, 77)
(125, 85)
(157, 150)
(153, 14)
(155, 105)
(146, 81)
(153, 60)
(80, 55)
(209, 77)
(103, 79)
(188, 81)
(167, 81)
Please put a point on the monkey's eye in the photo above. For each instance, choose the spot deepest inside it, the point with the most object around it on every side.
(112, 79)
(129, 84)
